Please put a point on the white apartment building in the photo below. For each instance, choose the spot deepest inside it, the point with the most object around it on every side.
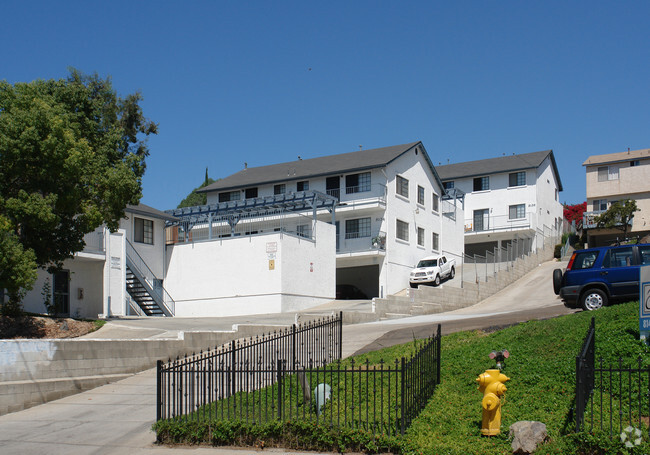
(615, 177)
(506, 198)
(389, 211)
(99, 279)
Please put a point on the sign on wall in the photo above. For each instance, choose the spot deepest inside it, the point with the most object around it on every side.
(644, 302)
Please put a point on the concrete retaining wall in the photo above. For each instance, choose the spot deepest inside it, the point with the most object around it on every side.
(33, 372)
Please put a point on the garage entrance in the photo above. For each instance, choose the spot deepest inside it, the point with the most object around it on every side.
(365, 278)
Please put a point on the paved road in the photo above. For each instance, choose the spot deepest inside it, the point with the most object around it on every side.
(117, 418)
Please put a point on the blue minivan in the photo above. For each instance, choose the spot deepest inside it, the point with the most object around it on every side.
(596, 276)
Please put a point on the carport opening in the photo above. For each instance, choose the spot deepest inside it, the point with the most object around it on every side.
(364, 278)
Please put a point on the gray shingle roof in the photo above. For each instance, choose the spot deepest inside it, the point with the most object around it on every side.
(145, 210)
(313, 167)
(509, 163)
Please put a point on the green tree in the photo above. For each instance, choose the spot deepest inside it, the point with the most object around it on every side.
(618, 216)
(72, 156)
(194, 198)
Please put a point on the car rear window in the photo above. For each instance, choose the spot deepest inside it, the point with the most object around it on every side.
(618, 257)
(644, 251)
(584, 260)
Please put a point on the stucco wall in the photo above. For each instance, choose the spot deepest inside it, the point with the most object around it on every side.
(235, 276)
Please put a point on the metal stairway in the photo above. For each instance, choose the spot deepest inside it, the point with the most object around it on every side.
(140, 284)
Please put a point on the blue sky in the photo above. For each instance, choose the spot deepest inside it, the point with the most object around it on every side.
(263, 82)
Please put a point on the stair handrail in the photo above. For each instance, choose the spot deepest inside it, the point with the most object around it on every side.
(143, 269)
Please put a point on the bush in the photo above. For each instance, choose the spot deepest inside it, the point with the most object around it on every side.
(557, 254)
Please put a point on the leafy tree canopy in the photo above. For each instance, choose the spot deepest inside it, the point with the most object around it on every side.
(618, 215)
(194, 198)
(72, 156)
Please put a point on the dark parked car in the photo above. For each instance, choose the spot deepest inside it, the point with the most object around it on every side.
(349, 292)
(596, 276)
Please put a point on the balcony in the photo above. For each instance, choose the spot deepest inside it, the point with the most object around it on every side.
(94, 242)
(498, 223)
(356, 197)
(353, 243)
(589, 219)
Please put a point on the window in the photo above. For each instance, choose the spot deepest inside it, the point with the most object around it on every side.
(420, 195)
(357, 183)
(644, 252)
(481, 219)
(402, 186)
(481, 183)
(584, 260)
(251, 193)
(402, 230)
(607, 173)
(303, 186)
(448, 185)
(143, 231)
(435, 206)
(556, 193)
(280, 189)
(635, 163)
(355, 229)
(434, 241)
(618, 257)
(599, 205)
(517, 211)
(421, 236)
(517, 179)
(304, 230)
(229, 196)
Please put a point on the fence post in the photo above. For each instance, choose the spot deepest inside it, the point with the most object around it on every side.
(462, 268)
(438, 355)
(233, 359)
(293, 346)
(159, 404)
(403, 396)
(340, 335)
(279, 381)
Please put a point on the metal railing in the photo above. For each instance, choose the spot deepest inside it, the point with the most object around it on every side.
(140, 268)
(354, 243)
(361, 194)
(272, 386)
(94, 241)
(610, 398)
(499, 223)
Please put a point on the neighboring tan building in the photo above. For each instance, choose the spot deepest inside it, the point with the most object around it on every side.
(615, 177)
(506, 198)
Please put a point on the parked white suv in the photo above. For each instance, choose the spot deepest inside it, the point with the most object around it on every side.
(431, 270)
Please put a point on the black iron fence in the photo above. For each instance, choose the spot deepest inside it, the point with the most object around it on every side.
(610, 398)
(286, 383)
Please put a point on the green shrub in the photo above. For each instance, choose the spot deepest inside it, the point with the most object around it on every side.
(557, 254)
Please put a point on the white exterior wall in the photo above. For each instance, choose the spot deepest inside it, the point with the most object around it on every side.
(234, 277)
(114, 280)
(549, 209)
(401, 256)
(153, 255)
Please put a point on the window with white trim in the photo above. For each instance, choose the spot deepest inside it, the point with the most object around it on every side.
(435, 206)
(420, 195)
(599, 205)
(280, 189)
(402, 186)
(606, 173)
(448, 185)
(402, 230)
(357, 228)
(143, 231)
(304, 230)
(421, 236)
(302, 186)
(229, 196)
(251, 193)
(357, 183)
(517, 178)
(517, 211)
(435, 239)
(482, 183)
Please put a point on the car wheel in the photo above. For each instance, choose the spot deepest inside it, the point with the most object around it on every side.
(452, 273)
(413, 285)
(593, 299)
(436, 282)
(557, 281)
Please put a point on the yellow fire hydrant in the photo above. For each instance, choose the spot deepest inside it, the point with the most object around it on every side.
(491, 383)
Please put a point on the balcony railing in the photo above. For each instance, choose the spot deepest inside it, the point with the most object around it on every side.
(589, 219)
(498, 223)
(352, 195)
(94, 241)
(356, 243)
